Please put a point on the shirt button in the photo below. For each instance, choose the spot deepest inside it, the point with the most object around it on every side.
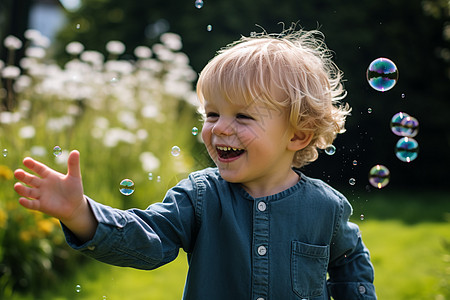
(262, 206)
(361, 289)
(262, 250)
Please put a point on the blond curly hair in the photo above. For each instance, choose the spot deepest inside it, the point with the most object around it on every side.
(295, 64)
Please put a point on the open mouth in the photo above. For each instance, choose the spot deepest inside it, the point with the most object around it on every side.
(225, 152)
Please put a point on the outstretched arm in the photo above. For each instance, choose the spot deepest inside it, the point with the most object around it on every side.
(57, 195)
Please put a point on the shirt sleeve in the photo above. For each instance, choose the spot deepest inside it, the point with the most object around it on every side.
(351, 272)
(142, 239)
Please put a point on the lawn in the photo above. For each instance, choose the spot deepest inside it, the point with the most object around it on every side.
(409, 241)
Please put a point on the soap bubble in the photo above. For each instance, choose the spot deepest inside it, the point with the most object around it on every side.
(411, 127)
(379, 176)
(407, 149)
(403, 124)
(330, 149)
(150, 176)
(194, 131)
(361, 217)
(369, 110)
(355, 162)
(382, 74)
(126, 187)
(78, 288)
(198, 3)
(57, 151)
(5, 152)
(175, 151)
(352, 181)
(209, 27)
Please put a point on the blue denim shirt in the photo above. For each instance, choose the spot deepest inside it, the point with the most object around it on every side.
(276, 247)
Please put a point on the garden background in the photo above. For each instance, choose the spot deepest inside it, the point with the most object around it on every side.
(117, 83)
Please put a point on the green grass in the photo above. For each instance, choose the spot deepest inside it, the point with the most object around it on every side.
(408, 235)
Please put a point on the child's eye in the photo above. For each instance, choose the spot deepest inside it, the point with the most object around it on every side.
(212, 115)
(244, 116)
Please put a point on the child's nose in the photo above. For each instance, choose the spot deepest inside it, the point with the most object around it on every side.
(223, 126)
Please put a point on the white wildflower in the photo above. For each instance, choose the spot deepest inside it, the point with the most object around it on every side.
(149, 161)
(172, 41)
(151, 64)
(119, 66)
(32, 34)
(7, 117)
(74, 48)
(10, 72)
(142, 134)
(128, 119)
(12, 43)
(115, 47)
(62, 158)
(59, 124)
(142, 52)
(38, 151)
(150, 111)
(163, 53)
(22, 83)
(35, 52)
(115, 135)
(27, 132)
(94, 57)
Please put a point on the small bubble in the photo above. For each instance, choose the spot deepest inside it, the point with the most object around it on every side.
(175, 151)
(5, 152)
(57, 151)
(158, 178)
(352, 181)
(78, 26)
(198, 3)
(150, 176)
(361, 217)
(379, 176)
(126, 187)
(330, 149)
(369, 110)
(382, 74)
(355, 162)
(209, 27)
(403, 96)
(78, 288)
(194, 131)
(114, 80)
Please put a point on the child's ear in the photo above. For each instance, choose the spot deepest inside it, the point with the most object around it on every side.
(300, 140)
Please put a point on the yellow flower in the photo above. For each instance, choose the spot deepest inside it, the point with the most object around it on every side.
(25, 235)
(3, 218)
(45, 225)
(6, 173)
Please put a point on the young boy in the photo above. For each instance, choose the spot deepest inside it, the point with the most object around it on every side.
(255, 227)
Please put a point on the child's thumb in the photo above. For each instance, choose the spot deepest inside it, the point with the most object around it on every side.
(73, 164)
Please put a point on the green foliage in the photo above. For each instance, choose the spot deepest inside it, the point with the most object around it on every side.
(123, 116)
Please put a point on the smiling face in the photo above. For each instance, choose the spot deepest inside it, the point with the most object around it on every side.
(250, 144)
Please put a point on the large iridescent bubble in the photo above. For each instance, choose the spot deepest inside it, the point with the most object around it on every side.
(382, 74)
(379, 176)
(407, 149)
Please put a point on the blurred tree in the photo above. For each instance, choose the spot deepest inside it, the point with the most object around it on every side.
(358, 31)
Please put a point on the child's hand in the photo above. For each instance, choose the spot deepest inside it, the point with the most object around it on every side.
(55, 194)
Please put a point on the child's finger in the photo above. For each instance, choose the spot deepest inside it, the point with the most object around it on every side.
(35, 166)
(27, 178)
(73, 164)
(30, 204)
(26, 191)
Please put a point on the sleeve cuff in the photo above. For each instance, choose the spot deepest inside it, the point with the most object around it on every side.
(352, 290)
